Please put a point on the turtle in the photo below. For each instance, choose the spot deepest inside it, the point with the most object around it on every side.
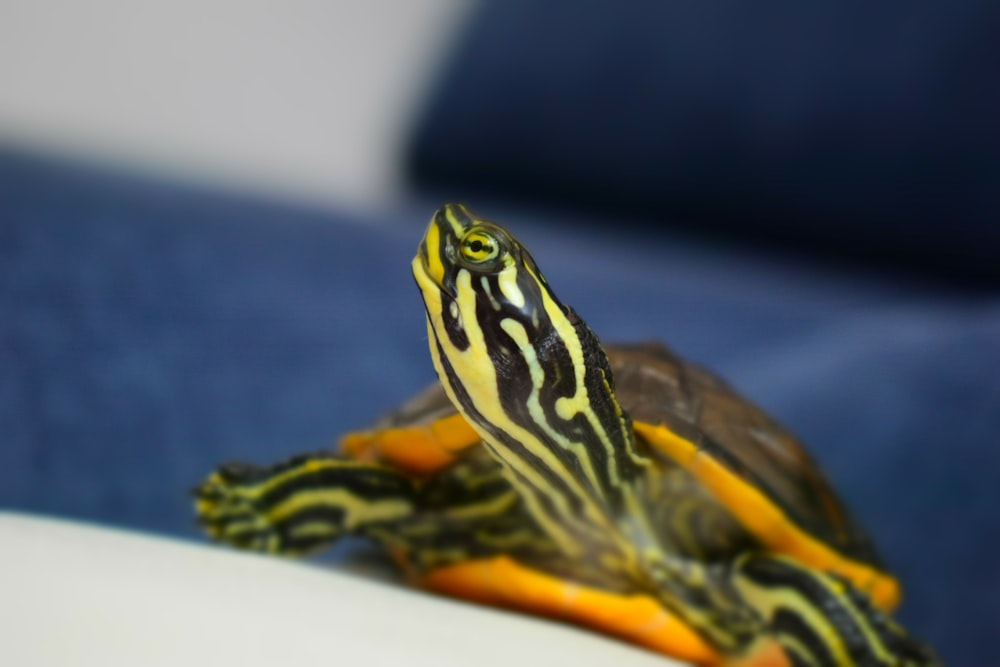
(617, 487)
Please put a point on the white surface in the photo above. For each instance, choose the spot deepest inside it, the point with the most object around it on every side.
(76, 595)
(304, 97)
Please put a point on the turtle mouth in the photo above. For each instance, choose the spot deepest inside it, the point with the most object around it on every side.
(420, 262)
(430, 279)
(436, 257)
(421, 270)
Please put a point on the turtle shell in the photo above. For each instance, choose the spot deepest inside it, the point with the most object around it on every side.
(687, 416)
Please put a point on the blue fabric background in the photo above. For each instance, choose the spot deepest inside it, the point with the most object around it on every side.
(150, 331)
(865, 130)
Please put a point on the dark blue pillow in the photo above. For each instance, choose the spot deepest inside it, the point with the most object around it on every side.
(854, 128)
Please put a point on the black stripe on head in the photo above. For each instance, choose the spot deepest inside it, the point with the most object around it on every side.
(560, 380)
(452, 321)
(552, 480)
(514, 376)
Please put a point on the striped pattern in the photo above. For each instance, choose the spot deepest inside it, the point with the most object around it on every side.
(563, 495)
(535, 383)
(303, 504)
(820, 619)
(533, 380)
(467, 511)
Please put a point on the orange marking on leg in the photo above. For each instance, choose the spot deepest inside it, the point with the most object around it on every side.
(418, 450)
(766, 520)
(501, 582)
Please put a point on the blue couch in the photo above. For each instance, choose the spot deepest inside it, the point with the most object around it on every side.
(150, 330)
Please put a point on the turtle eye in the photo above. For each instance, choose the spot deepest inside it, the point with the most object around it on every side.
(479, 247)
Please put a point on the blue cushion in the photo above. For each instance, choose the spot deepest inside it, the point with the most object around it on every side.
(150, 331)
(850, 129)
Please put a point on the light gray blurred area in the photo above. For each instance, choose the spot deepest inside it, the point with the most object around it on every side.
(94, 597)
(305, 98)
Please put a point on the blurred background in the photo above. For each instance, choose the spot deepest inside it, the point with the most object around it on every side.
(207, 213)
(306, 99)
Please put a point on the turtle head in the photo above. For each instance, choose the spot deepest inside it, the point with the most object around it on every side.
(497, 331)
(525, 371)
(473, 274)
(460, 246)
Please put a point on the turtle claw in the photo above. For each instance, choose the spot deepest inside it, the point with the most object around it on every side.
(229, 511)
(299, 506)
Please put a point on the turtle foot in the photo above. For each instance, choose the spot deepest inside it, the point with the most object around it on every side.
(230, 508)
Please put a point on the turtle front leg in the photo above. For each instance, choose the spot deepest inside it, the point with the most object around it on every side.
(467, 511)
(303, 504)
